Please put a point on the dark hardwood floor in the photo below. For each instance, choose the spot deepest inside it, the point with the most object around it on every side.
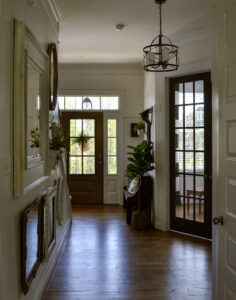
(103, 258)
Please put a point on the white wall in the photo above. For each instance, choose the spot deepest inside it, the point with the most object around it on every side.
(124, 80)
(37, 19)
(195, 57)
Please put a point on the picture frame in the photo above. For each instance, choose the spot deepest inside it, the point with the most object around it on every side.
(133, 132)
(50, 199)
(32, 232)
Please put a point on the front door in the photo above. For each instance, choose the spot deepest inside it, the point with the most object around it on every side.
(85, 156)
(224, 149)
(190, 154)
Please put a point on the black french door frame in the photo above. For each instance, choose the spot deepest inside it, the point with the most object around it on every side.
(182, 224)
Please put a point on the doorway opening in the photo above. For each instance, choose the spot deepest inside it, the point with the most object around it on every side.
(91, 124)
(191, 154)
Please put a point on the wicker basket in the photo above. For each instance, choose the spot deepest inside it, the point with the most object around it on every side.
(140, 219)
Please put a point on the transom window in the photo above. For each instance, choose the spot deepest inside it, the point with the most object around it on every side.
(89, 102)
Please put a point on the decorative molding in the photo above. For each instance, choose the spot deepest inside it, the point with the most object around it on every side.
(52, 262)
(18, 92)
(33, 39)
(54, 12)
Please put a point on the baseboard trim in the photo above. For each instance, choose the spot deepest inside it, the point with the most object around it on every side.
(52, 262)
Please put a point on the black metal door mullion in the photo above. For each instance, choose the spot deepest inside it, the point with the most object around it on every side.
(194, 155)
(184, 150)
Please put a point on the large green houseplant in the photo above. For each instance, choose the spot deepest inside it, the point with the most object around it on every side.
(140, 162)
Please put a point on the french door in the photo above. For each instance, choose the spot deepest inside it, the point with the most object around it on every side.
(85, 159)
(191, 154)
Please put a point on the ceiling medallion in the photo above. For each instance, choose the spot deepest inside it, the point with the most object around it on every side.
(161, 55)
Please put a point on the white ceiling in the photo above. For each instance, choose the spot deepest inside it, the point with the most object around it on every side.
(87, 33)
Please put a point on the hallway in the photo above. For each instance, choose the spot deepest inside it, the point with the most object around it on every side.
(103, 258)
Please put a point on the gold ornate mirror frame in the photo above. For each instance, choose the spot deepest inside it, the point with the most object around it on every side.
(53, 75)
(36, 208)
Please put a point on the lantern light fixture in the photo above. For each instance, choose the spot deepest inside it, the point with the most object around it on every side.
(161, 55)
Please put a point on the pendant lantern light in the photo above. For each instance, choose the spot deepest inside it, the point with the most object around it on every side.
(161, 55)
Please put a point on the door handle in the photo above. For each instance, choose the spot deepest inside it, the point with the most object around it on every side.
(218, 220)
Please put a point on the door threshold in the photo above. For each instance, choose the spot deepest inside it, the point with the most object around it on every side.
(192, 235)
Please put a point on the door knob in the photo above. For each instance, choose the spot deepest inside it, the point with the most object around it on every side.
(218, 220)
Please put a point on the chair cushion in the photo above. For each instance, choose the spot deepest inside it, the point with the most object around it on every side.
(134, 186)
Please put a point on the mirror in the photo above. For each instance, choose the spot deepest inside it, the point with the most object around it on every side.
(32, 242)
(53, 75)
(33, 113)
(33, 107)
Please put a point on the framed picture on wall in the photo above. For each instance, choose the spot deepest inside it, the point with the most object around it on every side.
(133, 132)
(50, 221)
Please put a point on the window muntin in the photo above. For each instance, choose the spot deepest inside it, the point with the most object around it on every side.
(112, 146)
(89, 102)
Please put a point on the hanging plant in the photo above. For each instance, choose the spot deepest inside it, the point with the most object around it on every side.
(82, 141)
(139, 128)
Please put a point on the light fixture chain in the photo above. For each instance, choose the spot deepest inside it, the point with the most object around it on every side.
(160, 11)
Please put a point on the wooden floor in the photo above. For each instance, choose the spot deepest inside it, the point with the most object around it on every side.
(103, 258)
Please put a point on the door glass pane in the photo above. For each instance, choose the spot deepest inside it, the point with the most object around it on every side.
(189, 203)
(179, 98)
(199, 162)
(111, 128)
(89, 127)
(75, 148)
(179, 206)
(111, 146)
(189, 162)
(75, 127)
(199, 139)
(88, 165)
(179, 162)
(179, 140)
(75, 165)
(179, 116)
(89, 147)
(199, 115)
(189, 186)
(179, 184)
(112, 165)
(189, 116)
(189, 139)
(199, 91)
(188, 92)
(199, 205)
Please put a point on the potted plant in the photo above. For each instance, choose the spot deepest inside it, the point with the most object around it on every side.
(57, 142)
(141, 162)
(140, 128)
(82, 141)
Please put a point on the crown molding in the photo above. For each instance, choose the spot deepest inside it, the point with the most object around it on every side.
(53, 10)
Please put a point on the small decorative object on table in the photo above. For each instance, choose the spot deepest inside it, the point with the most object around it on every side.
(140, 128)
